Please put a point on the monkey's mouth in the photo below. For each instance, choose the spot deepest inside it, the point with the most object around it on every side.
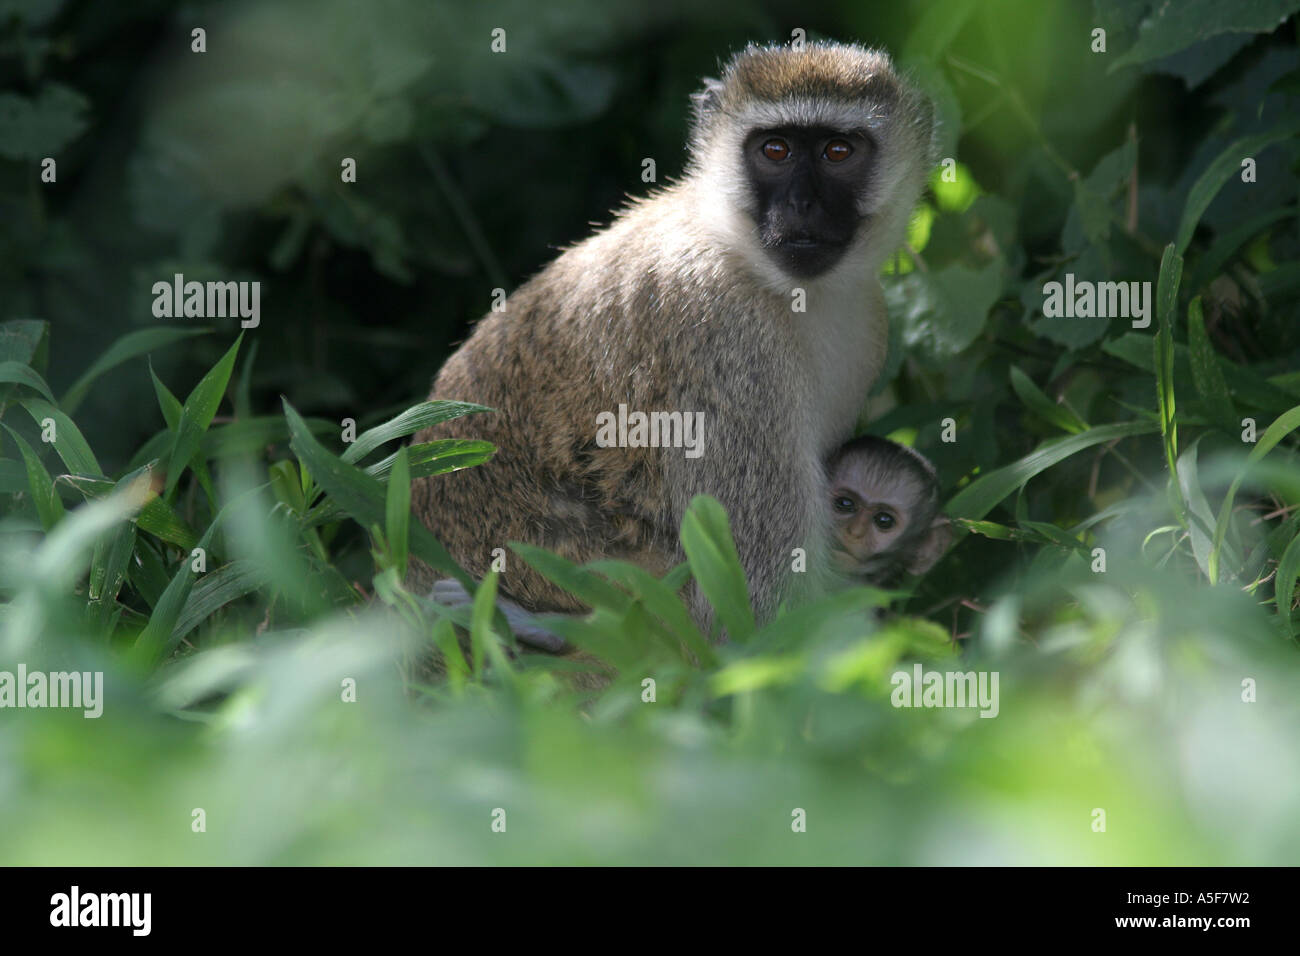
(806, 257)
(847, 562)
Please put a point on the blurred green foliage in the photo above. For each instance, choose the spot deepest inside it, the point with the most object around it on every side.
(128, 442)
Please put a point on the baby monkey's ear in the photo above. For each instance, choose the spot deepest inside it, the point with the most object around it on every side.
(931, 547)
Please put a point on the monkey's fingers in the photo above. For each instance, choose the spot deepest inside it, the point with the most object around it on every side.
(526, 628)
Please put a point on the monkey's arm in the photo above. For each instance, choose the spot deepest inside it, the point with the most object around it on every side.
(527, 629)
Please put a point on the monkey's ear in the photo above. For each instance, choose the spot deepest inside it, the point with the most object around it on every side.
(932, 546)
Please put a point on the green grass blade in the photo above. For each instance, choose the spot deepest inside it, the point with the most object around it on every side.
(124, 349)
(49, 509)
(1222, 168)
(397, 517)
(21, 374)
(70, 444)
(214, 591)
(582, 582)
(1281, 427)
(168, 403)
(408, 422)
(362, 497)
(1037, 402)
(156, 517)
(1171, 268)
(980, 497)
(1207, 375)
(1288, 569)
(198, 412)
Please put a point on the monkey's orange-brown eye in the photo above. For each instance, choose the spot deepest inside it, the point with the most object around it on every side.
(837, 150)
(776, 150)
(883, 520)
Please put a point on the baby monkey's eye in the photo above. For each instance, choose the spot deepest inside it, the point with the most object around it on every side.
(845, 505)
(883, 520)
(776, 150)
(837, 150)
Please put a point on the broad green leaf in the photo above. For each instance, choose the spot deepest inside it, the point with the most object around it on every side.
(943, 312)
(123, 350)
(711, 551)
(1170, 27)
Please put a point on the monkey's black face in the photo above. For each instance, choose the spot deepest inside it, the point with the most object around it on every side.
(807, 181)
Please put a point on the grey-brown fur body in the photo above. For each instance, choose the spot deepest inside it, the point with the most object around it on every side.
(677, 307)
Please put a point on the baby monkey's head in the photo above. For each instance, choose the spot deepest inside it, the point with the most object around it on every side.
(885, 503)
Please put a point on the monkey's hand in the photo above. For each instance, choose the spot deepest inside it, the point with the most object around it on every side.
(527, 629)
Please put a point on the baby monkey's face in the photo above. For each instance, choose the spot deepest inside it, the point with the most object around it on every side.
(885, 514)
(874, 524)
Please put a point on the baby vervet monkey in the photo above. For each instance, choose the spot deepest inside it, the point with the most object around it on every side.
(883, 499)
(885, 504)
(744, 297)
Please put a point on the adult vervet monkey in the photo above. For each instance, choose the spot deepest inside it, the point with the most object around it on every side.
(747, 292)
